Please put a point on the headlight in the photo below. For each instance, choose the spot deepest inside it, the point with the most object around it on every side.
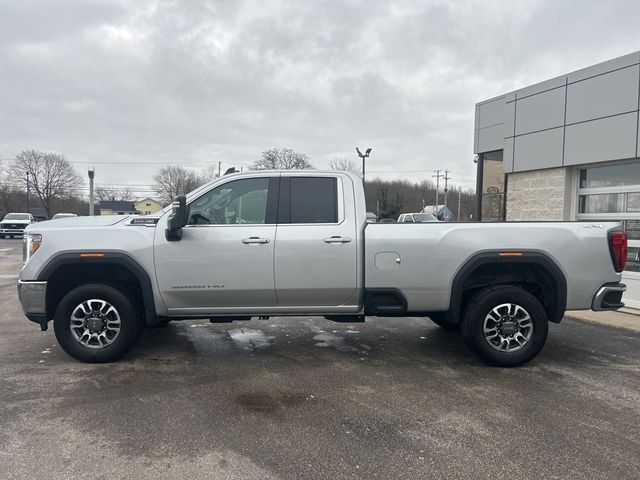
(30, 244)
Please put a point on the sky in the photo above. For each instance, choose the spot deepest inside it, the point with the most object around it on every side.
(131, 86)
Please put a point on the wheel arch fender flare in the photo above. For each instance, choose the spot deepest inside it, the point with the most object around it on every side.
(107, 258)
(523, 257)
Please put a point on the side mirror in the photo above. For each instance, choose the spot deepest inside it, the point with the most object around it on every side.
(177, 219)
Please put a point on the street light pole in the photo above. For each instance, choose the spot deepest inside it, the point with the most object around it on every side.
(28, 193)
(363, 156)
(91, 199)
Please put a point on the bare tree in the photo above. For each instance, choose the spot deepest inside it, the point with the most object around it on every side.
(51, 176)
(282, 159)
(175, 180)
(106, 192)
(207, 174)
(345, 165)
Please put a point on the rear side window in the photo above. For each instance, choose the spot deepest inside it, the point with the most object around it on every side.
(314, 200)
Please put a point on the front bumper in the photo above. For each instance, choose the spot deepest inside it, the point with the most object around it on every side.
(33, 299)
(609, 297)
(11, 231)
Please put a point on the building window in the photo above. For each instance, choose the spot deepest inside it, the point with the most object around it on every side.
(610, 176)
(493, 186)
(612, 193)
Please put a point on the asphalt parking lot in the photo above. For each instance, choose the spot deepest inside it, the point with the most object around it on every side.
(305, 398)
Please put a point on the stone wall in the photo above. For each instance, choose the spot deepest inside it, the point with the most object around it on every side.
(539, 195)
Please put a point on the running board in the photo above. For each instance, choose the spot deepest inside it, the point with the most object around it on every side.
(345, 318)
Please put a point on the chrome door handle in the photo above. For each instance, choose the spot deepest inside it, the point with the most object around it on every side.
(337, 239)
(253, 240)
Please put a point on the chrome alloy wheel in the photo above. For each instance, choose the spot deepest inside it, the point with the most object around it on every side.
(508, 327)
(95, 323)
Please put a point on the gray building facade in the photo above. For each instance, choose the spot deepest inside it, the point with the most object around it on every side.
(566, 149)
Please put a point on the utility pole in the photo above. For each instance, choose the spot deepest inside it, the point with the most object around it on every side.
(28, 192)
(219, 168)
(91, 199)
(437, 177)
(459, 201)
(363, 156)
(446, 179)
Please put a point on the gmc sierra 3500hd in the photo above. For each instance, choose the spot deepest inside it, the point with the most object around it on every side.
(298, 243)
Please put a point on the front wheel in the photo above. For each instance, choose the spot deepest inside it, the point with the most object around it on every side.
(505, 325)
(96, 323)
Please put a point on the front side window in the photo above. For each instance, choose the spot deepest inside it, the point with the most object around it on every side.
(237, 202)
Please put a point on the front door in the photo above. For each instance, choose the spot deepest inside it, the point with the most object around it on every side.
(224, 261)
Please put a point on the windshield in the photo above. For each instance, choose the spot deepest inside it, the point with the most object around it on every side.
(424, 217)
(17, 216)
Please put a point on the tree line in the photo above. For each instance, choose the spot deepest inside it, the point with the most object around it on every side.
(56, 186)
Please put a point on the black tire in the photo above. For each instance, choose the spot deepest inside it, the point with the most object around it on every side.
(131, 323)
(2, 236)
(440, 319)
(482, 304)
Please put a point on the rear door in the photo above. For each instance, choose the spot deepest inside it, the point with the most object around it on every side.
(316, 242)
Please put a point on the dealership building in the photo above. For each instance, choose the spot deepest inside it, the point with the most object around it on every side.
(566, 149)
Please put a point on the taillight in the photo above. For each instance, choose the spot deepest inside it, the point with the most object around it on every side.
(618, 247)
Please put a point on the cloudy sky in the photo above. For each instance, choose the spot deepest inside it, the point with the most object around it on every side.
(129, 86)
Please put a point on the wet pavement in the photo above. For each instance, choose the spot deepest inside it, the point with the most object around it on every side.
(304, 398)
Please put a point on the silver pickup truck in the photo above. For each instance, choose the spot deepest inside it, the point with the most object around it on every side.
(298, 243)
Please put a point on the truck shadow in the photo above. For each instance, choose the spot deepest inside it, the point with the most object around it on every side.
(304, 341)
(399, 340)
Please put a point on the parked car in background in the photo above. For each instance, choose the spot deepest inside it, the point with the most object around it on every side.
(13, 224)
(63, 215)
(417, 218)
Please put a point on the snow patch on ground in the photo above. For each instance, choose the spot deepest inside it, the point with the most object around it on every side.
(249, 339)
(331, 340)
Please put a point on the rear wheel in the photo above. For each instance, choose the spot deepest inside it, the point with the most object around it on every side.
(97, 323)
(505, 325)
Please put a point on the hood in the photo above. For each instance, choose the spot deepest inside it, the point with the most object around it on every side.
(77, 222)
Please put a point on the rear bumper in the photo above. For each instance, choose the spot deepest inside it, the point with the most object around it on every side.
(33, 299)
(609, 297)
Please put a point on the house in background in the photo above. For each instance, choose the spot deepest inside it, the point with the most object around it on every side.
(147, 206)
(117, 207)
